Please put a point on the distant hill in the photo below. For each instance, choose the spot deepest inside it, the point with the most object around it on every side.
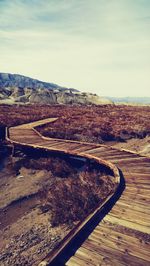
(16, 80)
(131, 100)
(16, 88)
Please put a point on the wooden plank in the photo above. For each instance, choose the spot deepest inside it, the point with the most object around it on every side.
(132, 207)
(88, 256)
(124, 214)
(78, 261)
(96, 150)
(114, 241)
(96, 258)
(123, 258)
(122, 242)
(135, 202)
(130, 224)
(83, 148)
(140, 241)
(134, 170)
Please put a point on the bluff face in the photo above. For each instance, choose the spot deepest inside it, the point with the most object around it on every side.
(20, 89)
(16, 80)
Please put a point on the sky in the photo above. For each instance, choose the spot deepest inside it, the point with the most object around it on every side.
(99, 46)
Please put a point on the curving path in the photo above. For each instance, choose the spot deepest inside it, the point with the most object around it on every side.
(122, 235)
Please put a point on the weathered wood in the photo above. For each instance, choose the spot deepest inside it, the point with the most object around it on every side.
(113, 256)
(122, 237)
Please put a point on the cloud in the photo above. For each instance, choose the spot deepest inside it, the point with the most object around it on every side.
(100, 46)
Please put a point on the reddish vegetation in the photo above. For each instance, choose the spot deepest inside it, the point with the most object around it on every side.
(71, 192)
(100, 123)
(74, 196)
(11, 115)
(73, 199)
(85, 123)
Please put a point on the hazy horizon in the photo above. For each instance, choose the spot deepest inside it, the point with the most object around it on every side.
(97, 46)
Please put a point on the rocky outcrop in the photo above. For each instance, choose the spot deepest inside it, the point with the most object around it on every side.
(44, 97)
(70, 98)
(20, 89)
(15, 80)
(17, 92)
(95, 99)
(80, 98)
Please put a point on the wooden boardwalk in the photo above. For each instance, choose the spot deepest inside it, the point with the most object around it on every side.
(122, 236)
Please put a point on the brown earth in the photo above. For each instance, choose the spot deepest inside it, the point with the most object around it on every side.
(39, 203)
(137, 145)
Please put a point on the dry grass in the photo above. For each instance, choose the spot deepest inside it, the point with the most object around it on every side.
(85, 123)
(100, 123)
(69, 193)
(72, 199)
(11, 115)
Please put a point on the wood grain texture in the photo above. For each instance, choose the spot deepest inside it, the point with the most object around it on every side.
(122, 237)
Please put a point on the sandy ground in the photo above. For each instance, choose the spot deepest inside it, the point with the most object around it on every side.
(26, 234)
(34, 220)
(27, 230)
(141, 146)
